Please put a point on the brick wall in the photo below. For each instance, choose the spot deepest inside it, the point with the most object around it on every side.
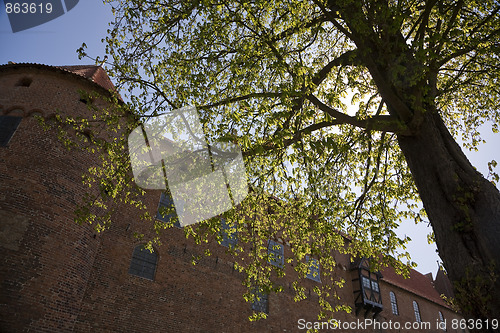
(46, 258)
(429, 310)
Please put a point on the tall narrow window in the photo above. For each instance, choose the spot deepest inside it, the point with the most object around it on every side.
(143, 262)
(313, 272)
(417, 312)
(166, 209)
(441, 321)
(276, 254)
(260, 301)
(394, 303)
(229, 234)
(8, 125)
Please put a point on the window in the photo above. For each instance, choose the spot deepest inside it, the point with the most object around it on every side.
(367, 296)
(394, 303)
(276, 254)
(370, 284)
(260, 301)
(166, 209)
(442, 323)
(417, 312)
(313, 272)
(366, 282)
(8, 125)
(143, 263)
(229, 234)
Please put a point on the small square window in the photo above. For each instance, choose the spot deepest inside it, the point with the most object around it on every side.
(8, 126)
(276, 255)
(313, 272)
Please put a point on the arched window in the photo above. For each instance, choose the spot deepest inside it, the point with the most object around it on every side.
(441, 321)
(8, 125)
(394, 303)
(417, 312)
(143, 262)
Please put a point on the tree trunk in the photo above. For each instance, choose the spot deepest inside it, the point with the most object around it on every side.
(464, 210)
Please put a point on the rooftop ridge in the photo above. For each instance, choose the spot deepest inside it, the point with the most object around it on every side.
(89, 72)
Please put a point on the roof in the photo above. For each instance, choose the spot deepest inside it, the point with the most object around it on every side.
(443, 284)
(418, 284)
(93, 73)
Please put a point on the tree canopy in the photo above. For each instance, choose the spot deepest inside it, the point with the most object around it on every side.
(346, 112)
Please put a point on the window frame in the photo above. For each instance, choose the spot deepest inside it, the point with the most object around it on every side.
(368, 294)
(370, 283)
(416, 311)
(394, 303)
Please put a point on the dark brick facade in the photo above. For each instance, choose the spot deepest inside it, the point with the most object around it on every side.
(58, 276)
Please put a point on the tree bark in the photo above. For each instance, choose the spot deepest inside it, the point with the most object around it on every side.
(464, 210)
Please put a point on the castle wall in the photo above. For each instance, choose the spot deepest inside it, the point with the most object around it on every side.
(46, 258)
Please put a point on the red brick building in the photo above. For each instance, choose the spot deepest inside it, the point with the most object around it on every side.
(58, 276)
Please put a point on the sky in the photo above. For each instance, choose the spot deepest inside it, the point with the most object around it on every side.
(56, 42)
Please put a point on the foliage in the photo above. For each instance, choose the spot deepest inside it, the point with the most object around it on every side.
(316, 94)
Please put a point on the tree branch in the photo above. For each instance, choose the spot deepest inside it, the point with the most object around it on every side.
(346, 58)
(467, 49)
(295, 138)
(292, 30)
(450, 25)
(382, 123)
(240, 98)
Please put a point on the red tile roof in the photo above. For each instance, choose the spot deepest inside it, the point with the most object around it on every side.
(418, 284)
(92, 72)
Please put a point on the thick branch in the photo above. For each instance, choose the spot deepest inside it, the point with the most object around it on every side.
(382, 123)
(425, 21)
(347, 58)
(240, 98)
